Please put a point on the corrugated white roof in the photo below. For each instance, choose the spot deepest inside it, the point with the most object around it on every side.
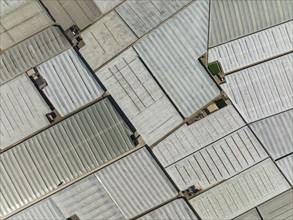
(175, 210)
(218, 161)
(62, 153)
(10, 5)
(24, 21)
(275, 133)
(280, 207)
(23, 110)
(70, 83)
(241, 193)
(250, 215)
(262, 90)
(136, 183)
(32, 52)
(86, 198)
(139, 96)
(190, 138)
(233, 19)
(143, 15)
(68, 13)
(44, 210)
(171, 53)
(106, 6)
(253, 48)
(286, 164)
(105, 38)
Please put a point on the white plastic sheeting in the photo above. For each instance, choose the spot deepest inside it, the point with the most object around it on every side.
(234, 19)
(171, 53)
(275, 133)
(21, 22)
(136, 183)
(253, 48)
(241, 193)
(105, 39)
(262, 90)
(23, 110)
(61, 154)
(31, 53)
(143, 15)
(177, 209)
(139, 96)
(218, 161)
(70, 83)
(73, 12)
(190, 138)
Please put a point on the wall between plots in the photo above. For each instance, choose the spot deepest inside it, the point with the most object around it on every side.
(171, 53)
(61, 154)
(177, 209)
(32, 52)
(23, 22)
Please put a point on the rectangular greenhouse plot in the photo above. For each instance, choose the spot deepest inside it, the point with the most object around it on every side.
(31, 52)
(230, 20)
(69, 82)
(280, 207)
(241, 193)
(62, 153)
(23, 110)
(86, 198)
(73, 12)
(139, 96)
(218, 161)
(136, 183)
(285, 164)
(106, 6)
(262, 90)
(189, 138)
(22, 22)
(105, 38)
(252, 214)
(253, 48)
(275, 133)
(171, 53)
(142, 16)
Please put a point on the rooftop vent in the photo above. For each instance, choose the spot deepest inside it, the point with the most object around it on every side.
(73, 217)
(192, 190)
(53, 116)
(73, 33)
(36, 77)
